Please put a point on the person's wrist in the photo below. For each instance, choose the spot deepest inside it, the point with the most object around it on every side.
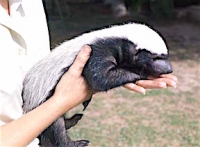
(65, 102)
(60, 106)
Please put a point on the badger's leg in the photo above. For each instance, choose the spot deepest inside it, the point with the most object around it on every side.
(105, 76)
(117, 77)
(45, 140)
(86, 103)
(60, 137)
(70, 122)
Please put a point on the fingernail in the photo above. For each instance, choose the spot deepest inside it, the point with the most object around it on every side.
(144, 92)
(176, 79)
(174, 85)
(163, 85)
(86, 49)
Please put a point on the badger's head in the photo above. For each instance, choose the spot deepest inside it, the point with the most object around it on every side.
(148, 51)
(151, 64)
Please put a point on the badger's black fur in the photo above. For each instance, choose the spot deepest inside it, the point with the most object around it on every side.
(116, 59)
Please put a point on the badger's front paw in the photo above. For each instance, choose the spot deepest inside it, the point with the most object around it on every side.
(81, 143)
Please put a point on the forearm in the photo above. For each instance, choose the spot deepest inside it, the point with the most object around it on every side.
(70, 91)
(22, 131)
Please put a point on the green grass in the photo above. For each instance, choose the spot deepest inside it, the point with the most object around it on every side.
(161, 118)
(190, 100)
(155, 92)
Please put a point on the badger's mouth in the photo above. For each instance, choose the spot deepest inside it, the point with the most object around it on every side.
(159, 67)
(154, 68)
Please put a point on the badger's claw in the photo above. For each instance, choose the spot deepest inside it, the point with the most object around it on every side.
(81, 143)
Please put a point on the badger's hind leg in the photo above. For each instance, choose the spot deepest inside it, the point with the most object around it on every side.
(60, 137)
(70, 122)
(81, 143)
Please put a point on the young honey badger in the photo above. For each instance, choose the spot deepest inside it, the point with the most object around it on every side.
(120, 54)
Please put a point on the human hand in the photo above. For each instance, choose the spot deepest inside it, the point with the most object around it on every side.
(72, 89)
(163, 81)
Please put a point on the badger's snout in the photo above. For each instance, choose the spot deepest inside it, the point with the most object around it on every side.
(162, 67)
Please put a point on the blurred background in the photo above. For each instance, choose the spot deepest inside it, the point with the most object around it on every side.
(120, 118)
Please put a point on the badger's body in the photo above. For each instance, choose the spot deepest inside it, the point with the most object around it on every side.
(120, 54)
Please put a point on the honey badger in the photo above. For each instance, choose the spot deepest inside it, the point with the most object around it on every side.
(120, 54)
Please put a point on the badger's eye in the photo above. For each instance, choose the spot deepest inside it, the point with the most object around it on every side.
(158, 58)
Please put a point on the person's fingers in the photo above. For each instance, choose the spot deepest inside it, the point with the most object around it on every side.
(151, 84)
(170, 76)
(134, 87)
(80, 61)
(168, 81)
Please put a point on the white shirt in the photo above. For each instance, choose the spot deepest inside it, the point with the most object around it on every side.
(24, 40)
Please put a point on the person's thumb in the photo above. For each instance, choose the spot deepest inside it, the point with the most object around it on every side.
(80, 61)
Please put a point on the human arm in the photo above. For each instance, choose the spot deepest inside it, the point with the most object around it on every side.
(22, 131)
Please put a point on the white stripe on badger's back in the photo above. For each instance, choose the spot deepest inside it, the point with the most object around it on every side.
(42, 78)
(141, 35)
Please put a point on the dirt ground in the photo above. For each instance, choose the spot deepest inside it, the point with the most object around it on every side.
(163, 118)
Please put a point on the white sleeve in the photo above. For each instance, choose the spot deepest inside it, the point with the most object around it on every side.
(10, 94)
(10, 90)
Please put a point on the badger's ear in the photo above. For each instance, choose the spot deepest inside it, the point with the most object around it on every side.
(129, 48)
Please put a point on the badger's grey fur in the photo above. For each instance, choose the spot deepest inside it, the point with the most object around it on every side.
(120, 54)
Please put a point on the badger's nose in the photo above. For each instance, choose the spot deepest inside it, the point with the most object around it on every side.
(163, 66)
(169, 68)
(169, 71)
